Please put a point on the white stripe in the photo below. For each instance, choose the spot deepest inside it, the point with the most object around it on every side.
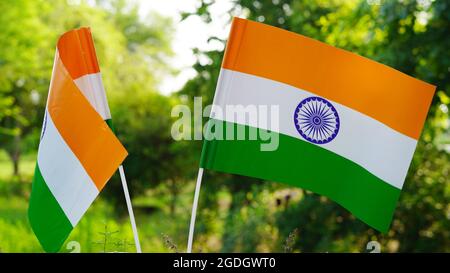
(91, 86)
(371, 144)
(64, 175)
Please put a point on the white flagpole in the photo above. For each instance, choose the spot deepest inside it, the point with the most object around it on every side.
(130, 209)
(194, 210)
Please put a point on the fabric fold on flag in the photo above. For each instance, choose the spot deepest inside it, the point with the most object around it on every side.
(348, 125)
(78, 152)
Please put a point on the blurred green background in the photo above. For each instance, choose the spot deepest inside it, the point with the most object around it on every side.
(236, 214)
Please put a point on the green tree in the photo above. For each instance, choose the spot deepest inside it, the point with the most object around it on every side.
(132, 52)
(24, 66)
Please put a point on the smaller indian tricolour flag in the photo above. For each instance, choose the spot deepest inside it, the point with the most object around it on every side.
(78, 152)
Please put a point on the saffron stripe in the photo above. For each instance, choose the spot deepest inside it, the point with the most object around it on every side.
(77, 52)
(381, 92)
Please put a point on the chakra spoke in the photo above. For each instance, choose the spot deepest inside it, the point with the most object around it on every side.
(323, 109)
(329, 115)
(328, 128)
(315, 108)
(309, 109)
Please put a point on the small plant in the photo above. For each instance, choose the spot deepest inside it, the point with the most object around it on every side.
(124, 244)
(290, 241)
(169, 243)
(106, 237)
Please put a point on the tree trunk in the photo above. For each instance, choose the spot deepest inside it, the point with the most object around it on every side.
(174, 196)
(15, 161)
(14, 155)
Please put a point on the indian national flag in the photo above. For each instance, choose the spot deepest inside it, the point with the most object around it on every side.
(78, 152)
(348, 126)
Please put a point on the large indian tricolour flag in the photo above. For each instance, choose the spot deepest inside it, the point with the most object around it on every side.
(348, 126)
(78, 152)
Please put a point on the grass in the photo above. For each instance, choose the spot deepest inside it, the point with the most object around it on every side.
(17, 236)
(103, 228)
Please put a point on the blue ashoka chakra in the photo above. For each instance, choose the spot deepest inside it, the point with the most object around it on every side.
(316, 120)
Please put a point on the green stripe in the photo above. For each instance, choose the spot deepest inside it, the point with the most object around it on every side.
(110, 125)
(47, 219)
(302, 164)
